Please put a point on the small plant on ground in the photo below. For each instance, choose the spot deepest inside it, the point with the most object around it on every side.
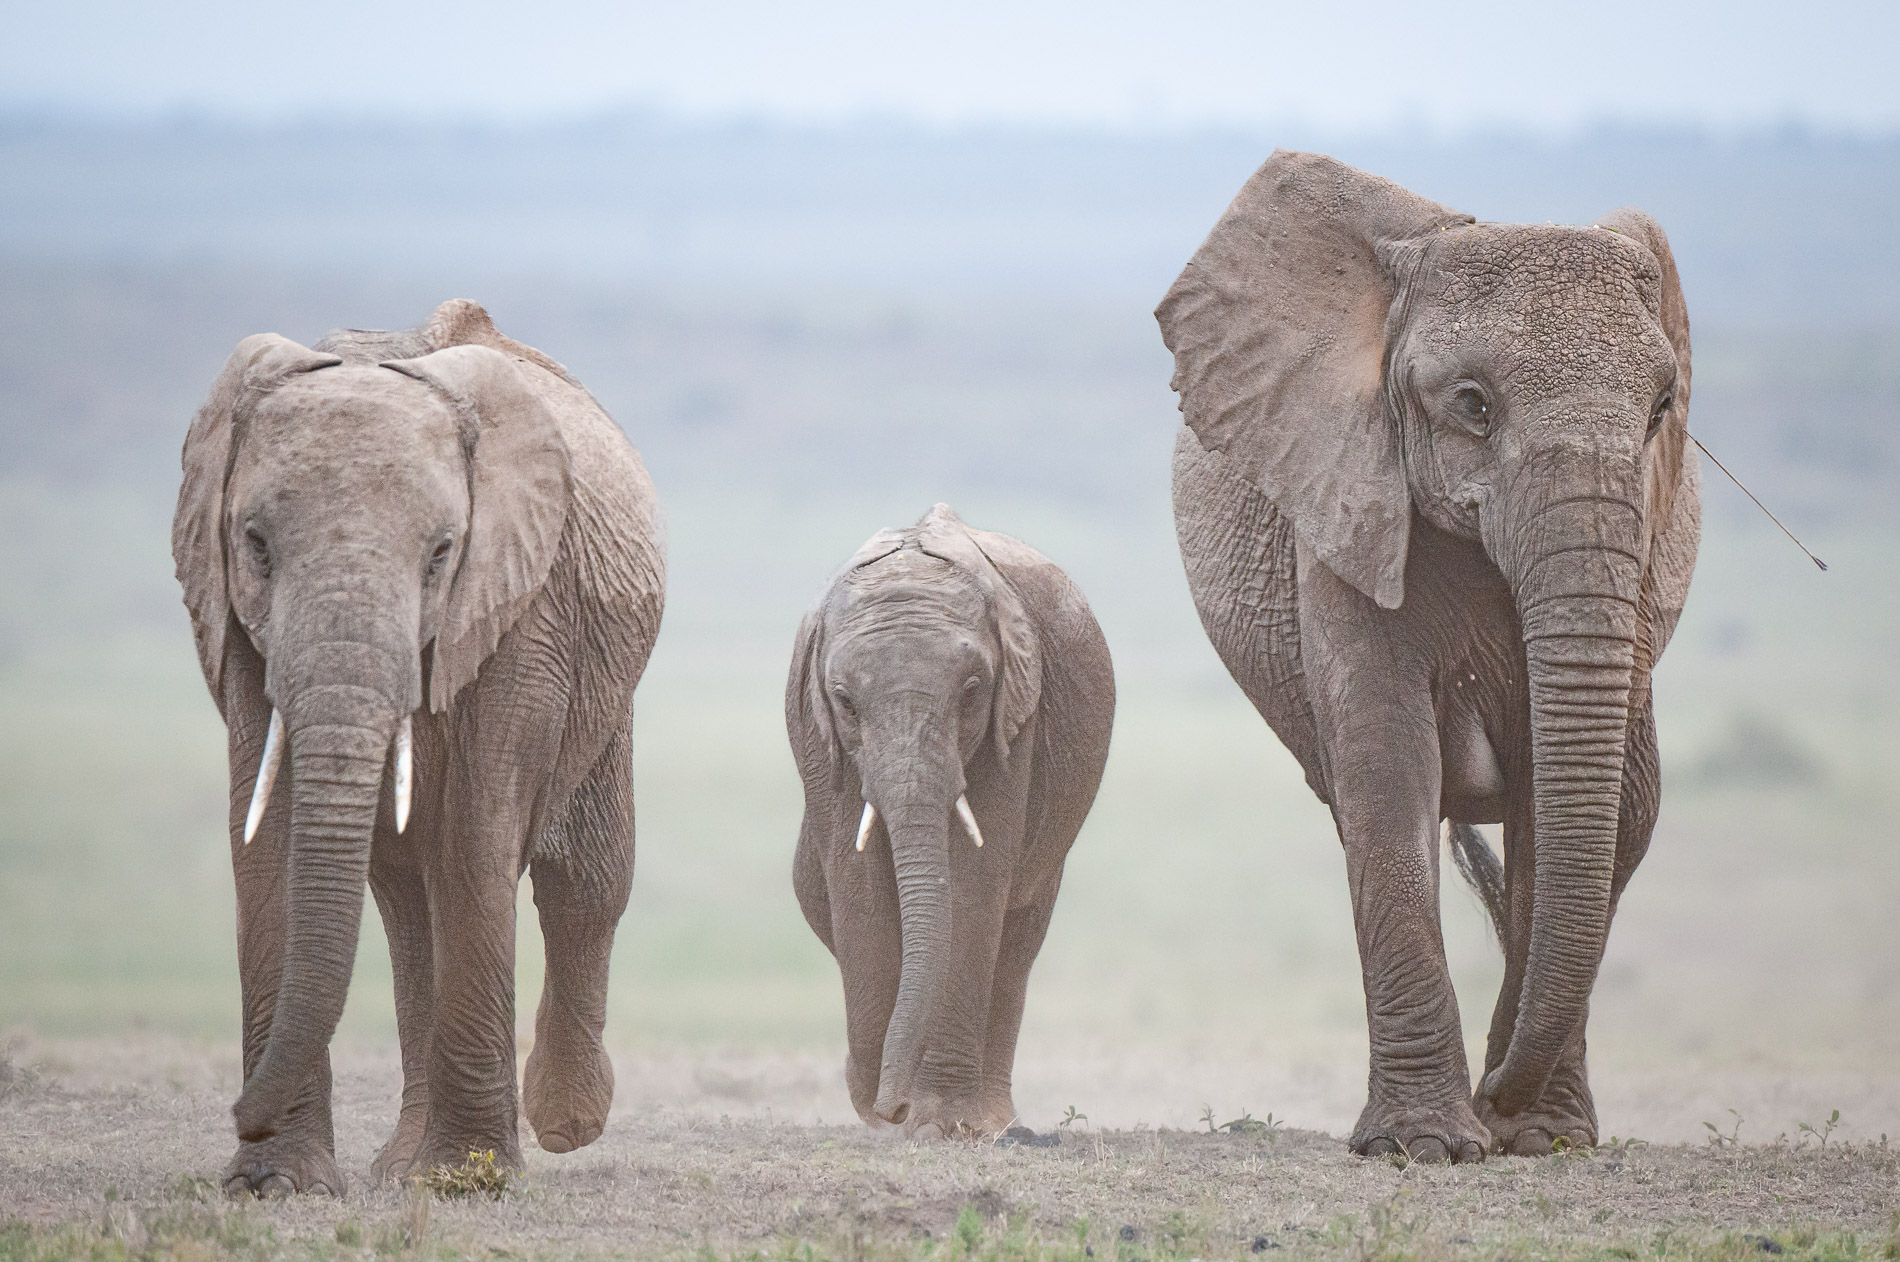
(1734, 1136)
(478, 1175)
(1245, 1124)
(1822, 1131)
(1072, 1117)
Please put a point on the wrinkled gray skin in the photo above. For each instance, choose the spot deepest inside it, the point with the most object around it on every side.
(1439, 517)
(942, 661)
(442, 524)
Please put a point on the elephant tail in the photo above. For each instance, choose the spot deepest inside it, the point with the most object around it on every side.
(1482, 870)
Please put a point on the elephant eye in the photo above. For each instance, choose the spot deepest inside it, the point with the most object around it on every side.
(1472, 409)
(1660, 412)
(972, 683)
(260, 550)
(844, 702)
(440, 553)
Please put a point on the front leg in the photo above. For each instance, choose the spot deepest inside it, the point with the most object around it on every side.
(301, 1156)
(471, 1063)
(401, 889)
(1378, 729)
(1023, 931)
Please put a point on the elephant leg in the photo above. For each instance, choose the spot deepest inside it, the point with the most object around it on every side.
(402, 896)
(948, 1090)
(867, 938)
(1023, 931)
(1566, 1110)
(301, 1156)
(1379, 728)
(472, 883)
(582, 868)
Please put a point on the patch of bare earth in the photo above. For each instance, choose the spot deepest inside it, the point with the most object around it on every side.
(111, 1150)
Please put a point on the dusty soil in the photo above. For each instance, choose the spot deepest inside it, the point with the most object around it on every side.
(111, 1149)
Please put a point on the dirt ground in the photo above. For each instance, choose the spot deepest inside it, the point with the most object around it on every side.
(110, 1149)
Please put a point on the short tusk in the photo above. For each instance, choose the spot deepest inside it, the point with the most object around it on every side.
(864, 824)
(405, 772)
(266, 774)
(968, 817)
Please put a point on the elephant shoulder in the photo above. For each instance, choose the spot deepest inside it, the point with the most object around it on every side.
(1238, 551)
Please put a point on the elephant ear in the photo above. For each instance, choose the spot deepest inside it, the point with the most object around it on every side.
(259, 365)
(941, 533)
(1672, 502)
(1278, 326)
(807, 710)
(807, 707)
(518, 496)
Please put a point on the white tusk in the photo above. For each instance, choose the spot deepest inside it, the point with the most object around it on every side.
(405, 772)
(266, 774)
(968, 817)
(864, 824)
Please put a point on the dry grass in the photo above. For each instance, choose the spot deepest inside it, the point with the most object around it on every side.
(112, 1150)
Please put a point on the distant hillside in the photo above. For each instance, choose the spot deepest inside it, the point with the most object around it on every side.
(1772, 230)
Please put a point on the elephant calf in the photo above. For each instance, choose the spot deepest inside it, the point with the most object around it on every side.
(424, 571)
(949, 706)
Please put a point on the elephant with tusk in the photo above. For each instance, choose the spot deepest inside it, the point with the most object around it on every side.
(1439, 512)
(949, 706)
(424, 571)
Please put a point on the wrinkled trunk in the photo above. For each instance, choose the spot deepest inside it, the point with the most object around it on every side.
(341, 701)
(1576, 570)
(920, 837)
(911, 773)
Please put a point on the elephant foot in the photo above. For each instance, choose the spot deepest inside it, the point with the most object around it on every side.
(565, 1095)
(279, 1167)
(1449, 1133)
(452, 1151)
(397, 1157)
(1565, 1112)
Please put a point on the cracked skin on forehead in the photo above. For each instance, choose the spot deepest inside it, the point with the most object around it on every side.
(1570, 306)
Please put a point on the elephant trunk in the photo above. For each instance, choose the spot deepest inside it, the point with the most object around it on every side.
(913, 781)
(1576, 569)
(342, 701)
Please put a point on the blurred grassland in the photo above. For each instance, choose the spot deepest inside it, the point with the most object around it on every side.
(1205, 904)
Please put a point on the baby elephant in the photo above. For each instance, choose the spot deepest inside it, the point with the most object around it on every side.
(949, 705)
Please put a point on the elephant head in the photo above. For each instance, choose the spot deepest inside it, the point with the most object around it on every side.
(1362, 355)
(371, 530)
(920, 659)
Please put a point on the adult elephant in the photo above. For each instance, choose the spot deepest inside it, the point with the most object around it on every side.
(424, 571)
(1439, 515)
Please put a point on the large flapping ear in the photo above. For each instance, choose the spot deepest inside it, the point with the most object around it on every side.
(1671, 494)
(259, 365)
(1278, 328)
(518, 496)
(942, 534)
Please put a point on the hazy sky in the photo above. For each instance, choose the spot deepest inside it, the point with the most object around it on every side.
(1358, 66)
